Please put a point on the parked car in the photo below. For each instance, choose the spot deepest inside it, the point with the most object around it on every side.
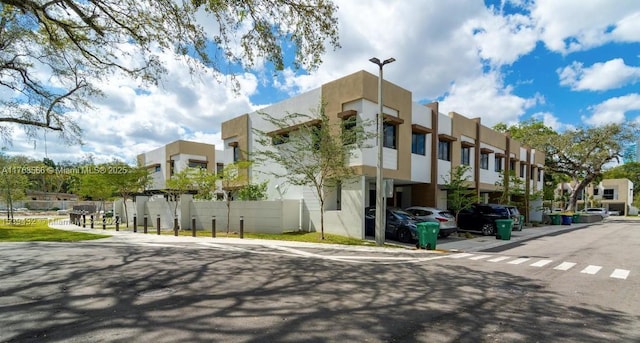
(482, 218)
(448, 224)
(597, 210)
(400, 225)
(515, 216)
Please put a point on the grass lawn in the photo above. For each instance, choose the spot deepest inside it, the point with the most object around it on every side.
(37, 229)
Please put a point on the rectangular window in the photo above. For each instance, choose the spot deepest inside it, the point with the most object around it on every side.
(539, 175)
(608, 194)
(389, 136)
(444, 152)
(498, 164)
(280, 139)
(418, 143)
(596, 191)
(198, 164)
(219, 168)
(236, 154)
(172, 167)
(157, 169)
(348, 130)
(466, 156)
(484, 161)
(522, 169)
(512, 165)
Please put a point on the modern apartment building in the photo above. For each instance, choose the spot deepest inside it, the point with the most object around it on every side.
(421, 146)
(175, 157)
(612, 194)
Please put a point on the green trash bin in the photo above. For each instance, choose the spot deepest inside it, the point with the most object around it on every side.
(504, 227)
(555, 219)
(427, 235)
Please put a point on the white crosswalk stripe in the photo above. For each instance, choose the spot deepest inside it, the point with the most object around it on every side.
(479, 257)
(541, 263)
(462, 255)
(591, 270)
(565, 266)
(498, 259)
(620, 274)
(519, 261)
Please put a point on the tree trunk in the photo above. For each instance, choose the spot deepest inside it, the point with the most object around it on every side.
(573, 199)
(228, 213)
(322, 219)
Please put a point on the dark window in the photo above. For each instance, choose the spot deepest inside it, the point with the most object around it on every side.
(197, 164)
(236, 154)
(596, 191)
(466, 156)
(418, 143)
(498, 162)
(280, 139)
(316, 136)
(522, 169)
(348, 130)
(484, 161)
(157, 169)
(607, 194)
(512, 165)
(390, 137)
(172, 167)
(539, 174)
(219, 168)
(444, 152)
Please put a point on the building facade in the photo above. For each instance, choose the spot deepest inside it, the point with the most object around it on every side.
(175, 157)
(612, 194)
(421, 146)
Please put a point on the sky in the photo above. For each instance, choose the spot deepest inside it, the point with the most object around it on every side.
(566, 62)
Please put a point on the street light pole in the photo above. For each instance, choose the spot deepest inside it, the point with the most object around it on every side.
(380, 208)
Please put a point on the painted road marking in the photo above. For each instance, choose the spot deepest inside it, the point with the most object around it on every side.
(620, 274)
(519, 260)
(565, 266)
(591, 269)
(463, 255)
(541, 263)
(498, 259)
(479, 257)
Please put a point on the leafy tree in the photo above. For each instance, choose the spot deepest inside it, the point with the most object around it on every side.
(13, 182)
(581, 153)
(459, 195)
(127, 180)
(180, 183)
(77, 44)
(253, 192)
(232, 177)
(313, 152)
(94, 183)
(516, 189)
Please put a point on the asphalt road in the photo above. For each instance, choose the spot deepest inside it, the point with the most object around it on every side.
(119, 290)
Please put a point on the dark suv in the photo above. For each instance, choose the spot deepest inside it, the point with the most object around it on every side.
(400, 225)
(482, 218)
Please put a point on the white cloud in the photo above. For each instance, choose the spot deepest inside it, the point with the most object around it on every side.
(488, 98)
(600, 76)
(503, 39)
(550, 120)
(612, 111)
(576, 25)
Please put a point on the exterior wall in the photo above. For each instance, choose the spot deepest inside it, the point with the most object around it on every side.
(622, 195)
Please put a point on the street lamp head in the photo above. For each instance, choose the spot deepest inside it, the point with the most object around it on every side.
(375, 60)
(380, 64)
(388, 60)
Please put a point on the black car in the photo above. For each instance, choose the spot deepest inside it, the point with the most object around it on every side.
(482, 218)
(400, 225)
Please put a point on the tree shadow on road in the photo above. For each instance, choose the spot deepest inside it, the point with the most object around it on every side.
(123, 293)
